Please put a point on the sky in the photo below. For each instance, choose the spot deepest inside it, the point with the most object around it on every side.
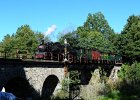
(54, 16)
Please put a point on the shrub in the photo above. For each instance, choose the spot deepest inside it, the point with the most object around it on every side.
(130, 74)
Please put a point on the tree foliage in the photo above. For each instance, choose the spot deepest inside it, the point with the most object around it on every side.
(94, 40)
(130, 38)
(95, 22)
(96, 33)
(130, 73)
(24, 39)
(71, 37)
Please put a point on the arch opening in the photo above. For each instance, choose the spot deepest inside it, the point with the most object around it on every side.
(1, 86)
(20, 87)
(49, 86)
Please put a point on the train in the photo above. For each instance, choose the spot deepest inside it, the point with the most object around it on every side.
(58, 52)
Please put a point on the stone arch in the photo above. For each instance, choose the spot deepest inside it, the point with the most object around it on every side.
(19, 86)
(49, 86)
(8, 73)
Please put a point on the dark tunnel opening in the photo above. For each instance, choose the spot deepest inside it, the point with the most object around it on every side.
(49, 86)
(20, 87)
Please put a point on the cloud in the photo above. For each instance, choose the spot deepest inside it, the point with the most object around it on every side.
(51, 29)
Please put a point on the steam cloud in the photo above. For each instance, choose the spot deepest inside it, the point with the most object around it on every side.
(51, 29)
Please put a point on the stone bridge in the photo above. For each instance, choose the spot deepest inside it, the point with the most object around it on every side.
(31, 78)
(40, 78)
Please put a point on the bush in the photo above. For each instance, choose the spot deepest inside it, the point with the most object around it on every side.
(128, 85)
(130, 74)
(62, 95)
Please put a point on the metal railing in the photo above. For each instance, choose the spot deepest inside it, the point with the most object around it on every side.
(16, 55)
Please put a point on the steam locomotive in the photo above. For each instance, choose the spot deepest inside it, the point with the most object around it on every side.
(58, 52)
(50, 51)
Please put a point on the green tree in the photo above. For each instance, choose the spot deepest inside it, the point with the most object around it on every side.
(94, 40)
(7, 43)
(96, 33)
(95, 22)
(115, 41)
(131, 38)
(24, 39)
(39, 36)
(133, 73)
(72, 38)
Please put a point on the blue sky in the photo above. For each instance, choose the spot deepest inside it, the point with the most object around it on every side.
(54, 16)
